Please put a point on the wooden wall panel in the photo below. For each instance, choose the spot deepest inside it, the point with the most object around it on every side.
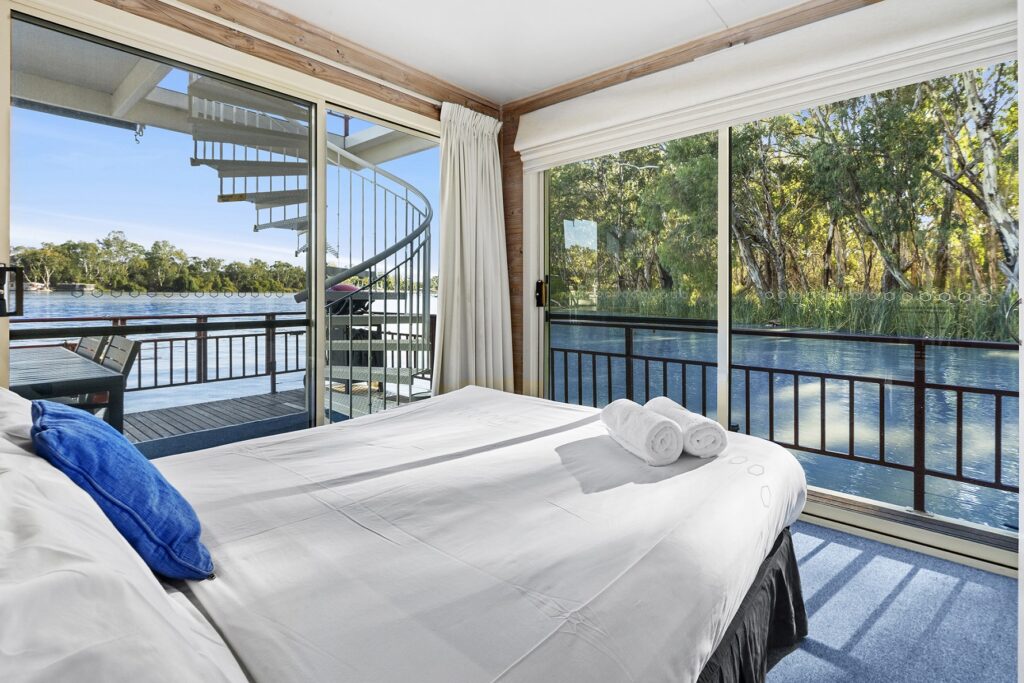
(512, 189)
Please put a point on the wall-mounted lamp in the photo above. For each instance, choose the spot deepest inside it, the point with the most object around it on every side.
(12, 291)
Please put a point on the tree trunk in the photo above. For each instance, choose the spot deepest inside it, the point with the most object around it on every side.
(750, 263)
(893, 276)
(840, 256)
(940, 278)
(995, 206)
(666, 277)
(828, 256)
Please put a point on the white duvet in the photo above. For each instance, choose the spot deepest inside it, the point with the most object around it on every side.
(479, 536)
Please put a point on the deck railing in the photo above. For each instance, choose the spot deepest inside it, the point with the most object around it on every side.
(216, 347)
(586, 375)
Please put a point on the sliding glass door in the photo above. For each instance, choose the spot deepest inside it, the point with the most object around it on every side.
(873, 299)
(631, 287)
(161, 216)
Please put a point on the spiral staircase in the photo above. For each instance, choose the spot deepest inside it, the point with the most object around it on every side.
(378, 303)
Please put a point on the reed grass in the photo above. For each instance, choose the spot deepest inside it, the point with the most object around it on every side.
(939, 316)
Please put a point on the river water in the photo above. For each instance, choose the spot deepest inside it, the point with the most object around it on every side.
(976, 368)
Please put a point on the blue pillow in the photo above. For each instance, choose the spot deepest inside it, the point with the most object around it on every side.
(150, 513)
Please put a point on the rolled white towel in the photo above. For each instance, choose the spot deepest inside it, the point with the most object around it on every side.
(653, 438)
(702, 436)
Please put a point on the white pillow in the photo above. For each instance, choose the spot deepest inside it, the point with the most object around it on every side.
(15, 419)
(78, 603)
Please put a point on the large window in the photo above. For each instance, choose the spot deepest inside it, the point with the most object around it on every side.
(874, 271)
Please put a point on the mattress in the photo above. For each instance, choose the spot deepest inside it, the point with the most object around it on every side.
(479, 536)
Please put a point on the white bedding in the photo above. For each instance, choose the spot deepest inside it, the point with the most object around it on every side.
(479, 536)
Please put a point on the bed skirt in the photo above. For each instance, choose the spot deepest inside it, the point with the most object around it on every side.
(771, 621)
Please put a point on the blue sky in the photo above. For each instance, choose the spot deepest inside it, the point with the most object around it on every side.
(74, 180)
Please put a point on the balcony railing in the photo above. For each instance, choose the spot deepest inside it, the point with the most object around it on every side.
(588, 371)
(183, 349)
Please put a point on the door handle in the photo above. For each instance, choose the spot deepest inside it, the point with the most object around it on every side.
(540, 293)
(12, 275)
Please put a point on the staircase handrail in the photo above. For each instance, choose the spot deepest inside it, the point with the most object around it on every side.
(428, 215)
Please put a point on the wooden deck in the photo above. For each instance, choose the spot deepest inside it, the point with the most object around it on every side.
(179, 429)
(183, 427)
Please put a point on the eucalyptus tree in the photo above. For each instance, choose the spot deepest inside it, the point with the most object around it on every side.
(681, 211)
(977, 111)
(771, 207)
(869, 156)
(611, 191)
(165, 264)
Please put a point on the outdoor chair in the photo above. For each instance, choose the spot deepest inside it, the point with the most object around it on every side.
(92, 347)
(119, 354)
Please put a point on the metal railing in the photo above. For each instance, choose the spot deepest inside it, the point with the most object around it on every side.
(216, 347)
(592, 376)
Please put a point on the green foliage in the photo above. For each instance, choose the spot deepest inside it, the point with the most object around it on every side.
(115, 263)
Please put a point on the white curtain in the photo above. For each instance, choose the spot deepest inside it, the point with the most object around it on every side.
(473, 342)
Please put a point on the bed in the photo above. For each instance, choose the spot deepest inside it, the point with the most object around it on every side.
(480, 536)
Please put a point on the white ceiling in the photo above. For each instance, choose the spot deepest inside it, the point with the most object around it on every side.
(506, 50)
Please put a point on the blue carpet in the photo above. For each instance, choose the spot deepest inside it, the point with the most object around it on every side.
(881, 613)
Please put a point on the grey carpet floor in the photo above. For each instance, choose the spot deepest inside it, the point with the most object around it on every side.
(881, 613)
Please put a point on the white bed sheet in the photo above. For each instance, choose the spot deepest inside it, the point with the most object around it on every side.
(480, 536)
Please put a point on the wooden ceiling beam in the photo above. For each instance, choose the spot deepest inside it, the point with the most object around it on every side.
(268, 20)
(194, 24)
(763, 27)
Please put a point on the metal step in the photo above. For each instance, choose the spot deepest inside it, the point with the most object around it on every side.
(357, 405)
(299, 224)
(305, 247)
(268, 200)
(386, 375)
(365, 295)
(373, 318)
(241, 168)
(334, 270)
(217, 90)
(403, 346)
(280, 142)
(242, 118)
